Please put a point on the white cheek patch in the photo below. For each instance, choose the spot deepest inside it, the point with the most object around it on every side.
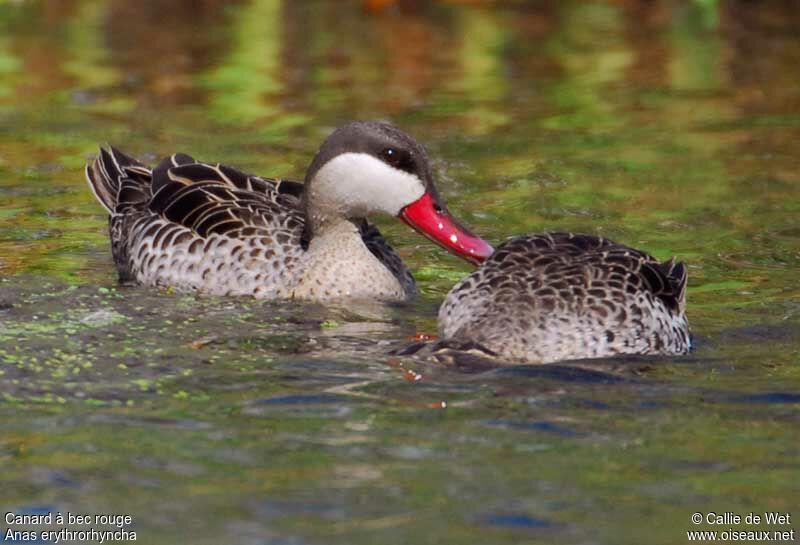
(358, 184)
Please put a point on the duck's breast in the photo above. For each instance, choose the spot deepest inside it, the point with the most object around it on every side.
(339, 265)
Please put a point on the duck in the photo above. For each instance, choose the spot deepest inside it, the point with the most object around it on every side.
(553, 297)
(210, 228)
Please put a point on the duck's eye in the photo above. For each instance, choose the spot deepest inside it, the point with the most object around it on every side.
(389, 155)
(400, 159)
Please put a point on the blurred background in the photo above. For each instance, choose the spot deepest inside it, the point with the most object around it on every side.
(669, 125)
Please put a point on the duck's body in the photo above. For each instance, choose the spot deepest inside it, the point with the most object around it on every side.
(213, 229)
(559, 296)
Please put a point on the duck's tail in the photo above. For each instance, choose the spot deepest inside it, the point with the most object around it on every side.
(677, 275)
(116, 178)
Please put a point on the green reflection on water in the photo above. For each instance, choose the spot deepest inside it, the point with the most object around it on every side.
(249, 72)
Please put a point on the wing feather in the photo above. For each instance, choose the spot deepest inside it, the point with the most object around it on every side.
(666, 281)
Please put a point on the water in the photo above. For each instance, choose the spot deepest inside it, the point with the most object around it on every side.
(669, 126)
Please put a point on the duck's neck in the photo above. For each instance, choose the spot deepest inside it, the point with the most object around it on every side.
(319, 215)
(321, 219)
(341, 187)
(340, 266)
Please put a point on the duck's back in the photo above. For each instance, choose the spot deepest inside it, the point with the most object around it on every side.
(559, 296)
(206, 228)
(199, 227)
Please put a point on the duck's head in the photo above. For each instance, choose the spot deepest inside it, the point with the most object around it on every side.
(368, 167)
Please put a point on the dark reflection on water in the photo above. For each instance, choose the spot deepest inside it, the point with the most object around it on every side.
(672, 126)
(515, 520)
(772, 397)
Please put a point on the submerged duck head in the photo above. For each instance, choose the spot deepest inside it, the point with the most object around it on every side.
(368, 167)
